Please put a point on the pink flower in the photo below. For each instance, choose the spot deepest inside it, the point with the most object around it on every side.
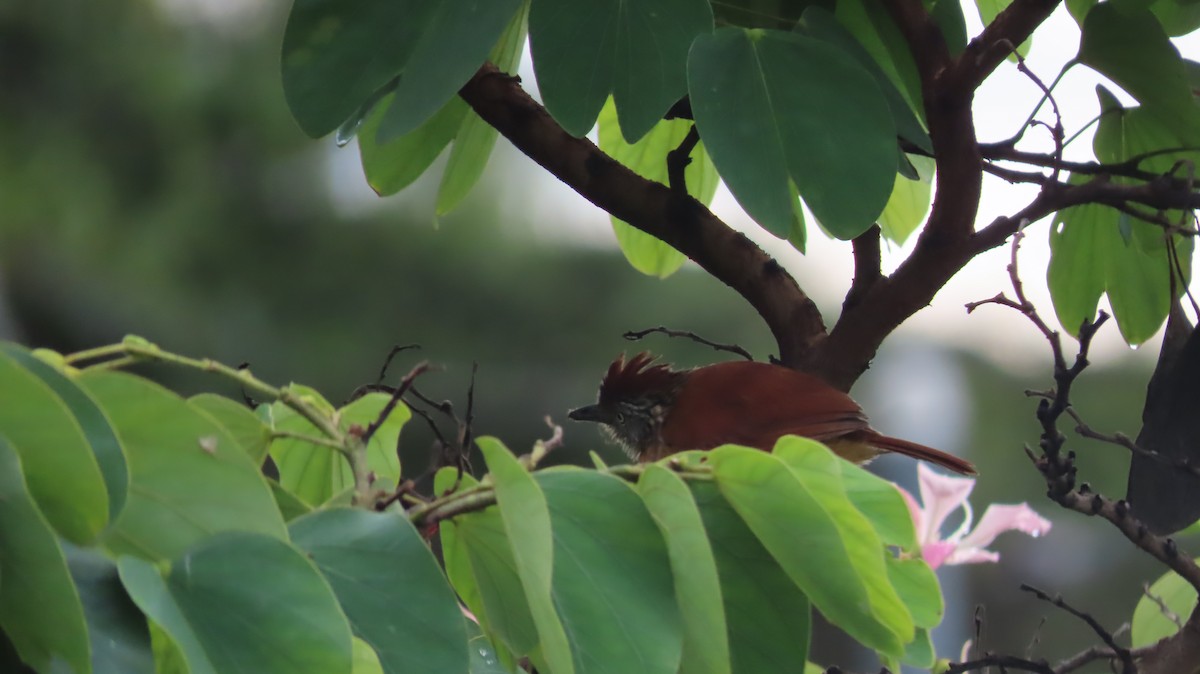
(941, 496)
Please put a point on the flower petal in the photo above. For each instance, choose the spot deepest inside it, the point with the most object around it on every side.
(936, 554)
(971, 556)
(1000, 518)
(940, 496)
(918, 515)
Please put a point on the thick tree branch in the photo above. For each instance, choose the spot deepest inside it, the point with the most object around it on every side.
(999, 38)
(677, 219)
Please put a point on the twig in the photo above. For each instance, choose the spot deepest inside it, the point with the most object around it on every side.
(417, 371)
(634, 336)
(1001, 661)
(678, 160)
(1162, 606)
(1105, 635)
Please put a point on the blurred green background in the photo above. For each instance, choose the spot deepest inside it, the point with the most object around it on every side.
(152, 182)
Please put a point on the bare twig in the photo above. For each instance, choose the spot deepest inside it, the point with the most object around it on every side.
(1127, 666)
(1162, 606)
(678, 160)
(417, 371)
(634, 336)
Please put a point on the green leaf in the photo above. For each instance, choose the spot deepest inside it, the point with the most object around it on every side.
(872, 26)
(453, 43)
(1178, 17)
(475, 138)
(906, 208)
(336, 54)
(770, 621)
(485, 659)
(394, 165)
(316, 473)
(187, 477)
(609, 556)
(823, 25)
(120, 641)
(839, 561)
(246, 429)
(371, 559)
(919, 652)
(363, 658)
(948, 14)
(243, 602)
(697, 583)
(290, 506)
(583, 50)
(526, 519)
(1082, 239)
(774, 107)
(918, 587)
(1131, 49)
(1150, 624)
(96, 429)
(1094, 249)
(880, 502)
(61, 468)
(481, 568)
(40, 611)
(648, 158)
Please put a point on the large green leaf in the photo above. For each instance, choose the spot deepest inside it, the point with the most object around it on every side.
(120, 641)
(370, 559)
(1082, 240)
(769, 620)
(243, 602)
(872, 26)
(96, 429)
(251, 434)
(918, 586)
(187, 477)
(583, 50)
(697, 583)
(610, 558)
(475, 138)
(648, 158)
(821, 24)
(39, 608)
(61, 468)
(316, 473)
(393, 165)
(337, 53)
(877, 499)
(906, 208)
(839, 560)
(775, 107)
(1131, 48)
(474, 547)
(1150, 622)
(526, 519)
(1096, 249)
(453, 43)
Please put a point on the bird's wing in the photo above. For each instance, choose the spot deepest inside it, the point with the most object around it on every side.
(754, 404)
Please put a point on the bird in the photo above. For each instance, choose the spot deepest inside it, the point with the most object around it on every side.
(654, 411)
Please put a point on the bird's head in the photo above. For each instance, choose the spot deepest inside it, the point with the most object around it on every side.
(635, 397)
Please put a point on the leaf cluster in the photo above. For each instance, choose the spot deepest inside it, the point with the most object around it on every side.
(138, 533)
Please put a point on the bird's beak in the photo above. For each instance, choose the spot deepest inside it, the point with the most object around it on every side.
(588, 413)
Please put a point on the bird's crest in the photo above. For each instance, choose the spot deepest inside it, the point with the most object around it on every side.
(636, 377)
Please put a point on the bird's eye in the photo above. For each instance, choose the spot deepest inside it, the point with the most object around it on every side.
(620, 418)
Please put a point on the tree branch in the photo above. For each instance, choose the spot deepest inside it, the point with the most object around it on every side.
(677, 219)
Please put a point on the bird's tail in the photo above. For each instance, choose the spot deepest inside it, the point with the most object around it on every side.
(921, 452)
